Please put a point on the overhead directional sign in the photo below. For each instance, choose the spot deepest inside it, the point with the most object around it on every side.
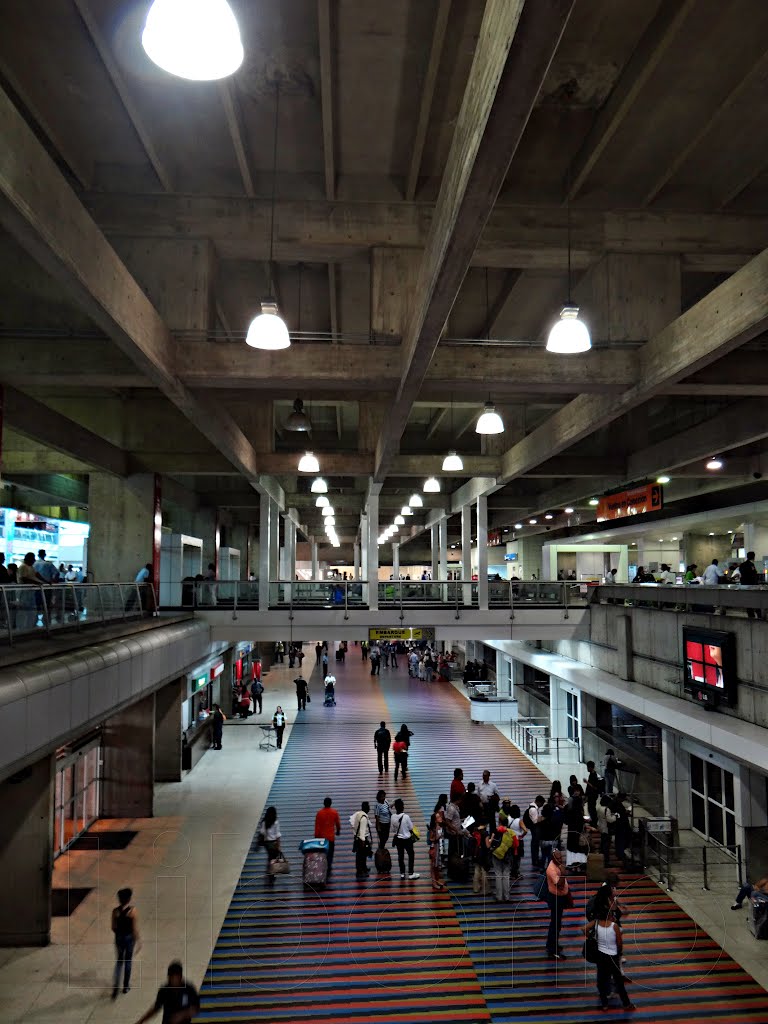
(423, 633)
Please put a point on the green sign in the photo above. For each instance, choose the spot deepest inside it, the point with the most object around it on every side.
(201, 681)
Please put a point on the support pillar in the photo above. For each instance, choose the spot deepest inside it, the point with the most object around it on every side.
(127, 789)
(396, 561)
(372, 545)
(364, 550)
(274, 540)
(482, 553)
(315, 565)
(265, 545)
(443, 549)
(356, 556)
(168, 703)
(435, 550)
(676, 780)
(122, 518)
(26, 855)
(466, 553)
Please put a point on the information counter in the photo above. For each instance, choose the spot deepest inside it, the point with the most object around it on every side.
(492, 709)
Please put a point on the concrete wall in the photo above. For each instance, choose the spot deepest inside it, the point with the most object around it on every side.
(48, 702)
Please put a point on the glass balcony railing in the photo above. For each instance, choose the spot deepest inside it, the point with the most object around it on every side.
(32, 610)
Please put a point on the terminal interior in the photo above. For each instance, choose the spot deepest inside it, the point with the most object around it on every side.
(436, 324)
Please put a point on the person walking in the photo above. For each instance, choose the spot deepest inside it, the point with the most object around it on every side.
(318, 652)
(218, 718)
(592, 783)
(125, 926)
(559, 899)
(301, 692)
(375, 655)
(361, 844)
(435, 837)
(177, 999)
(364, 650)
(382, 814)
(328, 826)
(413, 663)
(606, 820)
(607, 931)
(402, 827)
(278, 721)
(393, 654)
(382, 740)
(400, 750)
(270, 835)
(611, 767)
(324, 661)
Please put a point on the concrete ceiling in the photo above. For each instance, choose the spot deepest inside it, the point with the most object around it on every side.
(432, 158)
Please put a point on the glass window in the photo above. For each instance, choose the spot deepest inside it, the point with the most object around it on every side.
(730, 829)
(728, 787)
(715, 822)
(697, 774)
(714, 782)
(698, 816)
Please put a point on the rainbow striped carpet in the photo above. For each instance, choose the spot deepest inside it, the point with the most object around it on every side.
(384, 950)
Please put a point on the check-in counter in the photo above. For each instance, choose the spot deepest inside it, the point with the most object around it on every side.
(492, 709)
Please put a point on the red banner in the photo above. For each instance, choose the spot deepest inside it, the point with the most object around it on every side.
(648, 498)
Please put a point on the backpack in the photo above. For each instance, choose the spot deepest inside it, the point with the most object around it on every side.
(527, 817)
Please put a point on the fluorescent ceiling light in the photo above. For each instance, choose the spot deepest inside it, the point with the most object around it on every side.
(569, 335)
(319, 486)
(431, 486)
(194, 39)
(452, 463)
(308, 463)
(490, 422)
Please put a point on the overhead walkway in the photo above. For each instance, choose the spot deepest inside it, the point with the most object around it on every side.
(385, 951)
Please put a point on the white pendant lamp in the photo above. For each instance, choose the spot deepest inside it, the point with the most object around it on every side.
(715, 463)
(298, 419)
(431, 486)
(193, 39)
(327, 511)
(321, 502)
(399, 521)
(452, 463)
(268, 331)
(308, 463)
(329, 522)
(570, 335)
(415, 501)
(319, 486)
(490, 422)
(406, 510)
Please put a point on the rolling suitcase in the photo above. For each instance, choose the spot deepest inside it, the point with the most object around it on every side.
(458, 867)
(382, 860)
(315, 872)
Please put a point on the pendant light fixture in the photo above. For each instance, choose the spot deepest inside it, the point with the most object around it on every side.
(406, 510)
(715, 463)
(298, 420)
(327, 511)
(569, 335)
(329, 522)
(308, 463)
(415, 501)
(319, 486)
(431, 486)
(489, 422)
(452, 462)
(399, 521)
(194, 39)
(267, 330)
(322, 501)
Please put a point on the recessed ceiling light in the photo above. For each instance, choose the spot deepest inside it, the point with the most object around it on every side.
(674, 538)
(716, 462)
(662, 479)
(506, 529)
(533, 521)
(452, 546)
(711, 535)
(518, 526)
(661, 540)
(568, 511)
(548, 515)
(594, 501)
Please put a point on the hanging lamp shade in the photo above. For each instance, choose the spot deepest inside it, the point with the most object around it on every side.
(194, 39)
(431, 486)
(406, 510)
(267, 331)
(308, 463)
(489, 422)
(298, 420)
(330, 522)
(415, 501)
(569, 335)
(399, 521)
(452, 463)
(319, 486)
(321, 501)
(327, 511)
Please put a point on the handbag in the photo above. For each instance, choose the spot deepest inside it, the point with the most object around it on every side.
(309, 697)
(589, 949)
(415, 834)
(279, 866)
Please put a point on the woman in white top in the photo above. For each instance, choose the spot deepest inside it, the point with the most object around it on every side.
(517, 825)
(402, 829)
(270, 835)
(609, 946)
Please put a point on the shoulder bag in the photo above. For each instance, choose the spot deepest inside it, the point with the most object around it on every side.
(589, 949)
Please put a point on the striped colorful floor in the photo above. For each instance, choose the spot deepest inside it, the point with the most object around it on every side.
(391, 951)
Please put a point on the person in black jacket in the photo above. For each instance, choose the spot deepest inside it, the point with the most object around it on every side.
(750, 577)
(382, 740)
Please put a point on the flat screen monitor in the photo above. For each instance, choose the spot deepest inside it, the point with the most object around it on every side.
(709, 660)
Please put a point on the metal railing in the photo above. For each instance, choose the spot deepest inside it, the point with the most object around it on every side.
(531, 735)
(458, 595)
(34, 610)
(707, 863)
(723, 598)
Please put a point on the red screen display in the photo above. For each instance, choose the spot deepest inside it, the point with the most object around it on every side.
(705, 663)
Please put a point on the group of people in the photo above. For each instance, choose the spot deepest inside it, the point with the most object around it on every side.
(39, 572)
(382, 741)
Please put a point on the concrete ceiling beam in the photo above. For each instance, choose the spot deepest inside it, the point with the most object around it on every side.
(427, 94)
(514, 50)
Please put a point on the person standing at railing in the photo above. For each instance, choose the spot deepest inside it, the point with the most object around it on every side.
(28, 599)
(750, 577)
(5, 576)
(210, 577)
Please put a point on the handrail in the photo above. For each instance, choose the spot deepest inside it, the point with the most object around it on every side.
(684, 597)
(37, 609)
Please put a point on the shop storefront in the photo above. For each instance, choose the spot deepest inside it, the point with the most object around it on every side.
(204, 686)
(77, 791)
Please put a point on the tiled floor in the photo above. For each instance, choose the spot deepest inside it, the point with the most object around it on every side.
(376, 951)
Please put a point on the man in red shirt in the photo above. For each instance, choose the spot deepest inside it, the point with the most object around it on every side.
(328, 826)
(457, 787)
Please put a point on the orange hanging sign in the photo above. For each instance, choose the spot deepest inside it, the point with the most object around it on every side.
(634, 502)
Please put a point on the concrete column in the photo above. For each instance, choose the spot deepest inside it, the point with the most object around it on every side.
(503, 687)
(676, 779)
(127, 789)
(396, 561)
(356, 557)
(364, 550)
(274, 540)
(442, 544)
(290, 547)
(265, 545)
(168, 703)
(121, 512)
(434, 534)
(204, 527)
(466, 553)
(26, 855)
(372, 545)
(482, 553)
(315, 566)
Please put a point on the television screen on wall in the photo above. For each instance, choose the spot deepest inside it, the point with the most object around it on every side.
(709, 660)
